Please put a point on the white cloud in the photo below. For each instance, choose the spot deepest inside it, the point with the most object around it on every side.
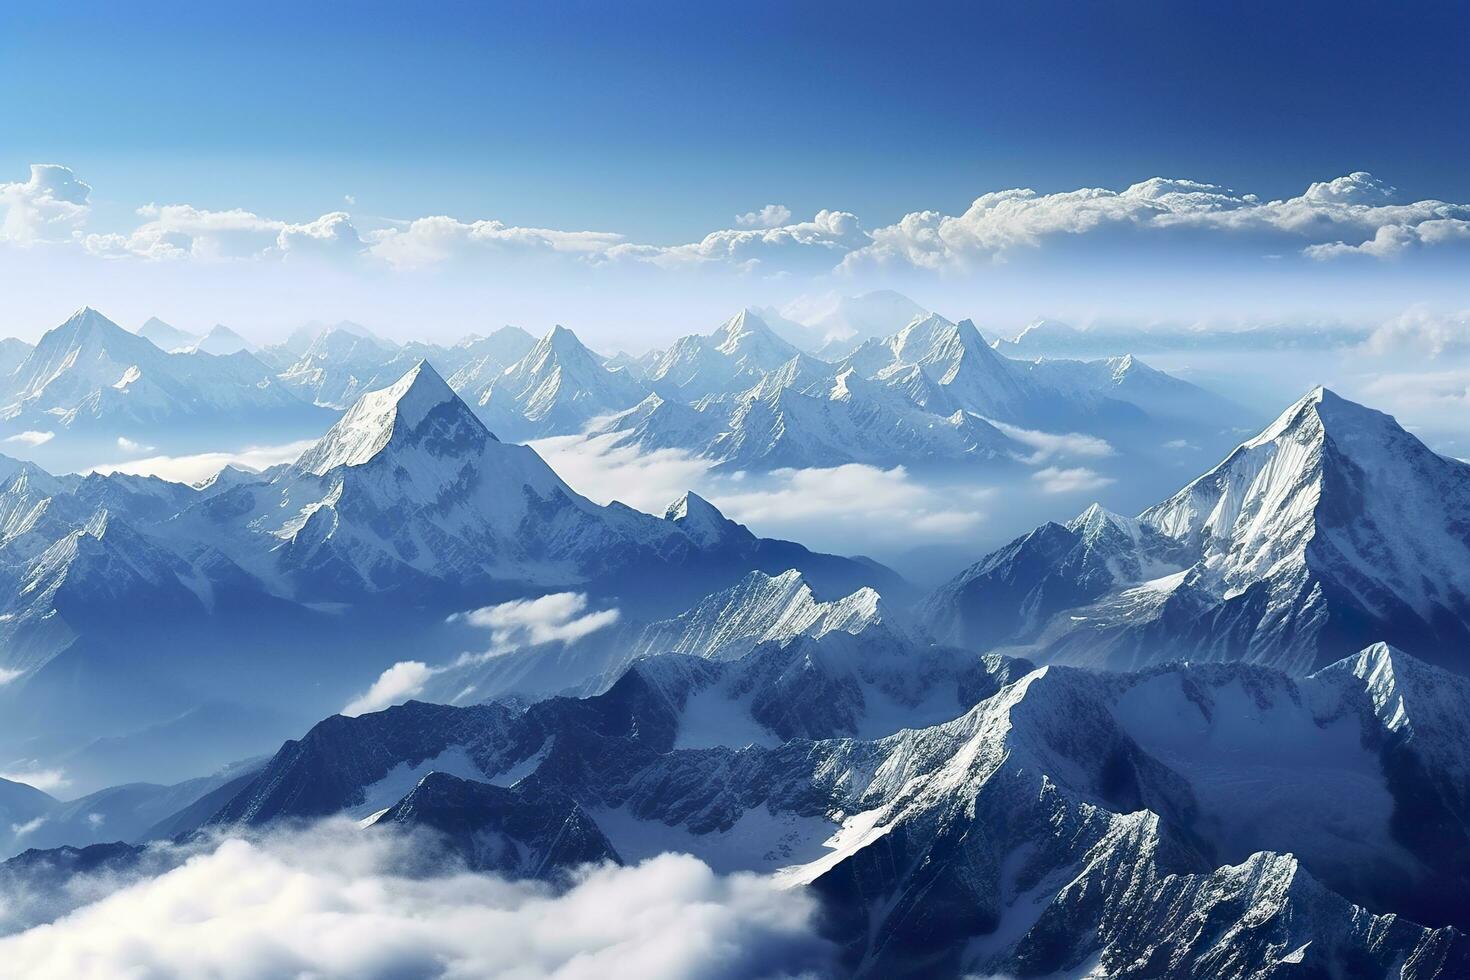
(599, 468)
(129, 446)
(881, 501)
(426, 241)
(770, 216)
(7, 675)
(49, 206)
(1422, 332)
(558, 617)
(331, 234)
(1050, 444)
(1356, 214)
(1391, 241)
(178, 231)
(29, 827)
(192, 469)
(32, 773)
(1387, 242)
(1055, 479)
(396, 684)
(333, 901)
(31, 437)
(1317, 221)
(817, 244)
(888, 504)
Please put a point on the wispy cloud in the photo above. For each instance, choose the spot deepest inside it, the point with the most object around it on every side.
(868, 495)
(559, 617)
(398, 683)
(605, 471)
(33, 773)
(29, 827)
(201, 466)
(878, 501)
(31, 437)
(1051, 444)
(1056, 479)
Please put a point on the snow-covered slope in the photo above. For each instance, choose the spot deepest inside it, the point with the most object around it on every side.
(1334, 527)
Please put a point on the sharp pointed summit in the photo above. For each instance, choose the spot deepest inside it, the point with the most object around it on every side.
(378, 416)
(701, 520)
(165, 336)
(222, 340)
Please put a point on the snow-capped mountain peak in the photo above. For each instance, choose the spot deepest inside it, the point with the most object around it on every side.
(376, 417)
(563, 341)
(165, 335)
(1097, 520)
(699, 519)
(221, 340)
(744, 329)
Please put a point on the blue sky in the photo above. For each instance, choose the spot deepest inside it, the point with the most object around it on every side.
(661, 123)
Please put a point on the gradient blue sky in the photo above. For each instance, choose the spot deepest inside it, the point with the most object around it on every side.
(662, 122)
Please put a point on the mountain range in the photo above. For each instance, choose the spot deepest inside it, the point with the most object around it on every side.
(1225, 737)
(927, 393)
(406, 511)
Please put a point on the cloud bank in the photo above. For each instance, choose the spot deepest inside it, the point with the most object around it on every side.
(335, 902)
(201, 466)
(1354, 216)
